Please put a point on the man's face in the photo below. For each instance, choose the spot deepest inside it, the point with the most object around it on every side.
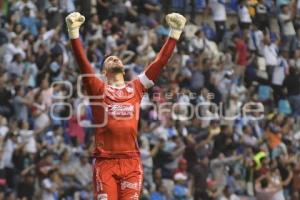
(285, 9)
(113, 64)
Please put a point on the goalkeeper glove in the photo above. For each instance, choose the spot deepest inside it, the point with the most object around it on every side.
(74, 21)
(176, 22)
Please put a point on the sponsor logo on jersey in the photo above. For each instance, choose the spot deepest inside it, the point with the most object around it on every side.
(120, 110)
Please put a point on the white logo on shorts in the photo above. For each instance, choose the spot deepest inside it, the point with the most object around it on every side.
(102, 197)
(126, 184)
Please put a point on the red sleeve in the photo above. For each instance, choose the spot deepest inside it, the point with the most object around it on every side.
(93, 85)
(153, 69)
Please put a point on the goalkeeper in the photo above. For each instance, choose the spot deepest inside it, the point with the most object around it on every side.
(117, 172)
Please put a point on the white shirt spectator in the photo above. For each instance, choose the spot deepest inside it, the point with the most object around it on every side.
(287, 24)
(67, 5)
(111, 44)
(8, 151)
(16, 68)
(255, 40)
(165, 132)
(3, 127)
(218, 10)
(48, 185)
(20, 5)
(278, 195)
(47, 95)
(27, 136)
(32, 71)
(249, 140)
(145, 153)
(280, 71)
(199, 44)
(3, 131)
(48, 35)
(83, 174)
(244, 15)
(270, 54)
(41, 119)
(11, 50)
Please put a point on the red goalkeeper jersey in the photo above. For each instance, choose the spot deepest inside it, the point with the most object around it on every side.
(116, 110)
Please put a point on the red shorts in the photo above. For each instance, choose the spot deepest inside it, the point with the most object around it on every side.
(117, 179)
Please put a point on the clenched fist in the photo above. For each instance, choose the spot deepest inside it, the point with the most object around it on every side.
(74, 21)
(176, 22)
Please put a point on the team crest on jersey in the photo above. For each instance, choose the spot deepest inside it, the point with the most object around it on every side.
(129, 89)
(119, 93)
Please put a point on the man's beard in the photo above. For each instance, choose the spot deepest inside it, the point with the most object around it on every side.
(116, 69)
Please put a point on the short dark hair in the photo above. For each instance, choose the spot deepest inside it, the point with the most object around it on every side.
(283, 6)
(264, 183)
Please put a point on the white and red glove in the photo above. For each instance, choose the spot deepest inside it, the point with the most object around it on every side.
(74, 21)
(176, 23)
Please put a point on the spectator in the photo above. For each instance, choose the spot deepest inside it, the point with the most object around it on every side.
(280, 72)
(54, 14)
(264, 189)
(82, 169)
(180, 190)
(20, 104)
(287, 28)
(26, 186)
(261, 19)
(20, 5)
(244, 15)
(159, 194)
(255, 41)
(270, 52)
(12, 49)
(218, 9)
(51, 186)
(30, 23)
(290, 83)
(241, 57)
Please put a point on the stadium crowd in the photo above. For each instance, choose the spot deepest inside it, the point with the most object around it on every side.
(221, 123)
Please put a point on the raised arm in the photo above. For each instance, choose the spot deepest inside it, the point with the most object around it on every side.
(93, 85)
(153, 69)
(176, 23)
(82, 61)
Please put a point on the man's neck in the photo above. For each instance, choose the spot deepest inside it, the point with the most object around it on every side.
(116, 80)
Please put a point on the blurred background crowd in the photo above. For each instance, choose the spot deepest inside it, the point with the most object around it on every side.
(232, 53)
